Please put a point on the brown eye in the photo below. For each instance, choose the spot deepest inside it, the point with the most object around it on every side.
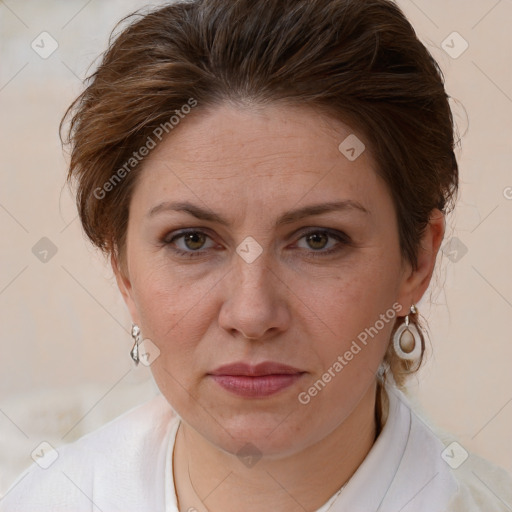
(188, 243)
(317, 240)
(194, 240)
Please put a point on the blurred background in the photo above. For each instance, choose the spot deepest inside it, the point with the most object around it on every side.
(64, 330)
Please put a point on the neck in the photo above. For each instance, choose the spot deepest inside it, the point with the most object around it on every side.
(210, 480)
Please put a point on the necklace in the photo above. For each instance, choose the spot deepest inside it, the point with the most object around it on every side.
(332, 500)
(199, 500)
(335, 497)
(194, 489)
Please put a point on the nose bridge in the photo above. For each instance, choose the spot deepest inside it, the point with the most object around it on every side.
(253, 276)
(253, 305)
(253, 252)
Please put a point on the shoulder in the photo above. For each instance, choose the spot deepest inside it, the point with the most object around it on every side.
(436, 472)
(481, 486)
(471, 482)
(105, 463)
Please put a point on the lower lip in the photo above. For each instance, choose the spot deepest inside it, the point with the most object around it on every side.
(260, 386)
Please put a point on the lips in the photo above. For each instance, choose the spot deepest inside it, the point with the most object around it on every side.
(256, 381)
(265, 368)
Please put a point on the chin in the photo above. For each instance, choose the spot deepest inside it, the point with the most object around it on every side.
(255, 444)
(270, 434)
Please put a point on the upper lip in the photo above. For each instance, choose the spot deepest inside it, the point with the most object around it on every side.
(265, 368)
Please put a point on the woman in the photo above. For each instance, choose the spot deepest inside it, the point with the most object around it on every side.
(270, 180)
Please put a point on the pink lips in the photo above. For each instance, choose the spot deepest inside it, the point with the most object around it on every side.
(257, 381)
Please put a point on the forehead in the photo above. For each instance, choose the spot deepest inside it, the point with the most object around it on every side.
(254, 154)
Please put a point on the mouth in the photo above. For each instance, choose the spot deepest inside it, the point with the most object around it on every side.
(256, 381)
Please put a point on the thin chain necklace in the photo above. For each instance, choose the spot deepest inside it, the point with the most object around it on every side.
(334, 498)
(189, 477)
(379, 427)
(195, 492)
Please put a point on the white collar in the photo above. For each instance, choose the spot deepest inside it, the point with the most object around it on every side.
(402, 471)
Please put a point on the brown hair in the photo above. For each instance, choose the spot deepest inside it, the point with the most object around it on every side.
(356, 60)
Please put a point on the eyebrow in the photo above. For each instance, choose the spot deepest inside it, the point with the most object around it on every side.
(287, 218)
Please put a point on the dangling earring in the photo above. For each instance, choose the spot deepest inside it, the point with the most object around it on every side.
(135, 350)
(407, 340)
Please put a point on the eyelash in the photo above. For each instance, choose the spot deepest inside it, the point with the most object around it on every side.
(340, 237)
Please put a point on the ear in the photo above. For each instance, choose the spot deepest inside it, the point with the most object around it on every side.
(125, 287)
(416, 281)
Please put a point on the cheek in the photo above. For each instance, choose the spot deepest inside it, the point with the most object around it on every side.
(175, 309)
(162, 301)
(357, 307)
(170, 310)
(358, 310)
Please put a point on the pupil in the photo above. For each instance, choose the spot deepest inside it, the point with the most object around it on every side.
(315, 238)
(195, 238)
(190, 238)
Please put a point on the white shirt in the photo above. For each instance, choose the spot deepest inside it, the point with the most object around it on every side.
(126, 466)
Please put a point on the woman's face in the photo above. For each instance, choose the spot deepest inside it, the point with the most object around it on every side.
(292, 257)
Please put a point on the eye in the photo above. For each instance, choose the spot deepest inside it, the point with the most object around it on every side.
(319, 239)
(191, 241)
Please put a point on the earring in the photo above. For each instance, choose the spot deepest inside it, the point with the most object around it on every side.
(135, 350)
(407, 340)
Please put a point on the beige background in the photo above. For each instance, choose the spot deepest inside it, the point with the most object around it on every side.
(64, 330)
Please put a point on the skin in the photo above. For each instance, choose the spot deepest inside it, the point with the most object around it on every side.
(250, 165)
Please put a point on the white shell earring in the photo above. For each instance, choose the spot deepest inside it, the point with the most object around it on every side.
(407, 340)
(136, 337)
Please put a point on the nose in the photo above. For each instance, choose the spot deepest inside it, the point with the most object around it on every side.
(255, 304)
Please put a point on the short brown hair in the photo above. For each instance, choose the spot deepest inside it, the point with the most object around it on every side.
(356, 60)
